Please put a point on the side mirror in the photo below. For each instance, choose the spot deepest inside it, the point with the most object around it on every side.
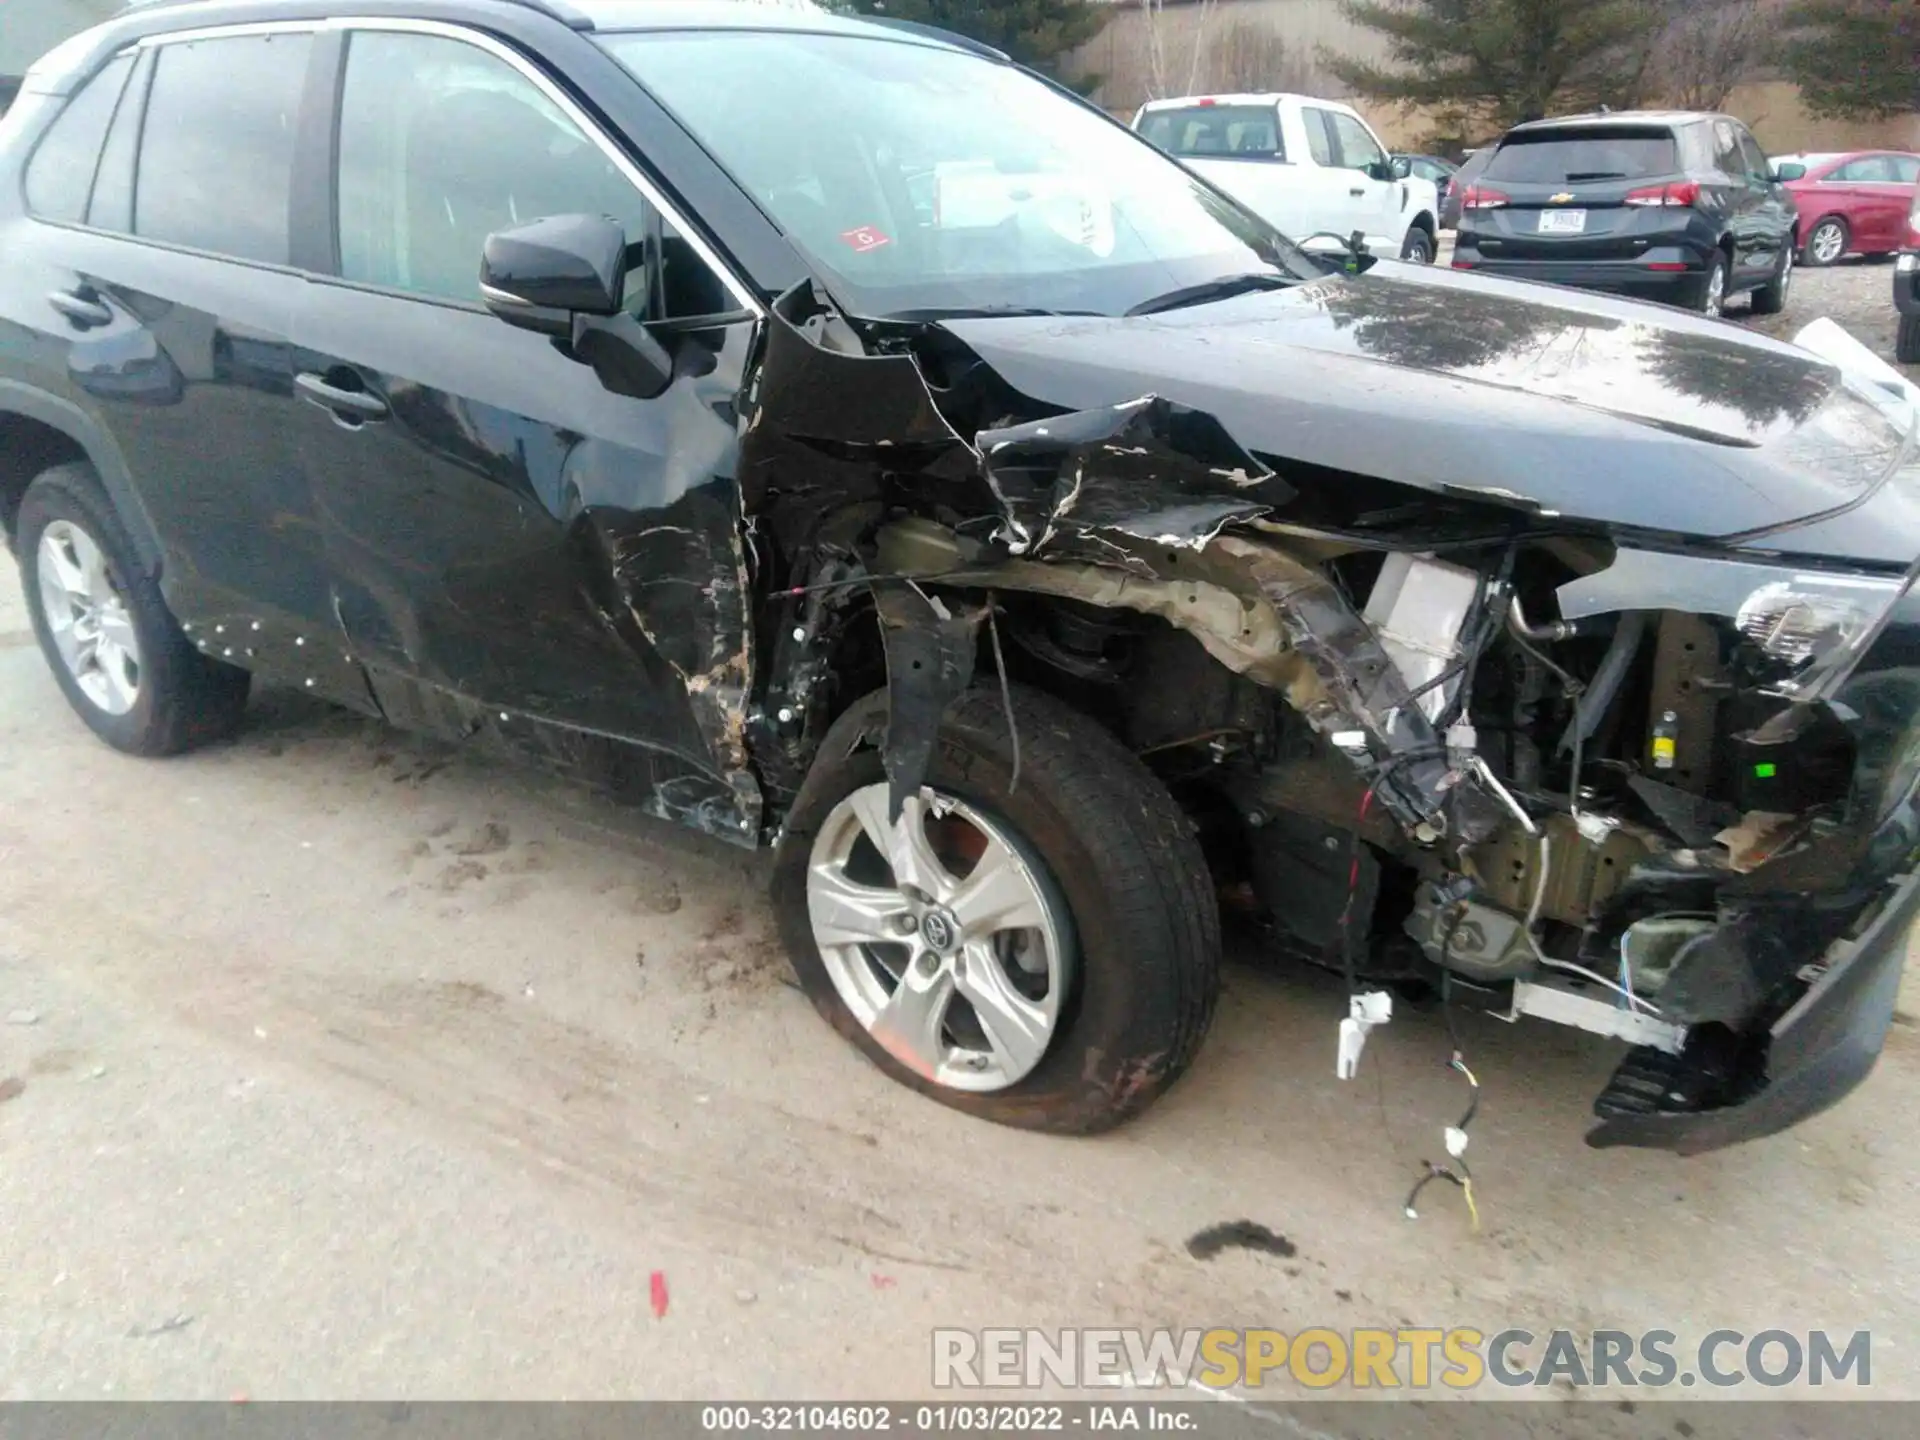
(1401, 168)
(540, 275)
(1784, 174)
(565, 277)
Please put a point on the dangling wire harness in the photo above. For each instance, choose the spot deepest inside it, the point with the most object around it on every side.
(1457, 1172)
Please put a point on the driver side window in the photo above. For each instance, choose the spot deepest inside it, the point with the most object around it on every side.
(441, 144)
(1357, 149)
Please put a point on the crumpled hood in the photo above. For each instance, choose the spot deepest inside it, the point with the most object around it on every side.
(1563, 403)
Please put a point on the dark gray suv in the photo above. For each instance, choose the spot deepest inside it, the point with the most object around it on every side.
(1683, 208)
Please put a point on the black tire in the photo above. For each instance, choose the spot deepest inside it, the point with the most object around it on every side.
(1771, 298)
(183, 699)
(1906, 346)
(1418, 247)
(1827, 223)
(1698, 297)
(1118, 850)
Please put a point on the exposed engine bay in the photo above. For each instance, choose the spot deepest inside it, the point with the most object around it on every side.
(1529, 764)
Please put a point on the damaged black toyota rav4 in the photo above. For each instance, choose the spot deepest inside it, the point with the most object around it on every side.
(837, 438)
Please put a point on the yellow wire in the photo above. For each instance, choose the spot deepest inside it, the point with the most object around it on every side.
(1472, 1209)
(1461, 1065)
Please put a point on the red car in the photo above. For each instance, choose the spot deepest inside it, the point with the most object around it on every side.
(1850, 204)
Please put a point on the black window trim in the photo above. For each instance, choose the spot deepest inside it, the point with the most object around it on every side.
(142, 77)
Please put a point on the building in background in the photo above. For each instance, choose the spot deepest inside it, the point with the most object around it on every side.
(30, 28)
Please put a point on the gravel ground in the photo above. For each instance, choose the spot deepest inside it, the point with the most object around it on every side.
(1856, 293)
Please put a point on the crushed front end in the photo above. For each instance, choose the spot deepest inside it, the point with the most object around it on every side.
(1434, 738)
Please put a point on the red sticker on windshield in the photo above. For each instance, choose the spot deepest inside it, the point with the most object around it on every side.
(864, 238)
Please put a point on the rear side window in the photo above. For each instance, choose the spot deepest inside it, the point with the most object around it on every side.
(1244, 130)
(60, 175)
(216, 153)
(1562, 157)
(1873, 170)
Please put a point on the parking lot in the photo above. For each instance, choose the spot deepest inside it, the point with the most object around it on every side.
(338, 1064)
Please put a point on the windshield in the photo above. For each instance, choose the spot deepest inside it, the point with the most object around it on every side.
(1555, 157)
(922, 180)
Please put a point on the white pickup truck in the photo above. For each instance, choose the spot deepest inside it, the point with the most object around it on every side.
(1305, 166)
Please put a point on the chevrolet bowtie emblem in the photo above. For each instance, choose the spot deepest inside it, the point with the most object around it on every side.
(1561, 198)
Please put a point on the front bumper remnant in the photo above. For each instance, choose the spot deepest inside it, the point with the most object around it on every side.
(1816, 1053)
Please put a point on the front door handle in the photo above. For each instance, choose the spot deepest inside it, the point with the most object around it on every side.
(351, 404)
(1361, 190)
(82, 307)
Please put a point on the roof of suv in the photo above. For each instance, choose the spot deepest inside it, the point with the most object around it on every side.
(1600, 118)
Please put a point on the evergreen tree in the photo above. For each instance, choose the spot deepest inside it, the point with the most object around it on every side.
(1484, 65)
(1855, 58)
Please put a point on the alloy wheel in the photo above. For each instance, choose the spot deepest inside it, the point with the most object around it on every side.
(1829, 243)
(942, 936)
(87, 618)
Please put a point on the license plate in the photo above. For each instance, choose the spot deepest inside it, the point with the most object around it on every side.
(1563, 222)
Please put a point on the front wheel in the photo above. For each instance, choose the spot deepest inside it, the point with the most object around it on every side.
(1042, 954)
(1906, 346)
(1418, 247)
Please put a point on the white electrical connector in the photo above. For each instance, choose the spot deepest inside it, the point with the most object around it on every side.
(1364, 1012)
(1456, 1141)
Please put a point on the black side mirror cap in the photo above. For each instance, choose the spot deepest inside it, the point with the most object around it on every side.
(621, 353)
(539, 276)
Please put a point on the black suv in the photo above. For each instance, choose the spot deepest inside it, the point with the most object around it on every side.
(1683, 208)
(831, 436)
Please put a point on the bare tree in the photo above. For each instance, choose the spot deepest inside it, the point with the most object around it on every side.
(1709, 47)
(1195, 48)
(1202, 32)
(1251, 57)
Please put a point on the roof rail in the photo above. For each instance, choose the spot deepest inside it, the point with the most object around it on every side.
(573, 19)
(568, 16)
(934, 32)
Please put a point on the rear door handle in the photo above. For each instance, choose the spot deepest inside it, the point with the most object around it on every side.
(358, 404)
(82, 307)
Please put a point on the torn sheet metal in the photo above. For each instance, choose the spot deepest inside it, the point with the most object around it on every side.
(1148, 468)
(829, 425)
(681, 577)
(930, 653)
